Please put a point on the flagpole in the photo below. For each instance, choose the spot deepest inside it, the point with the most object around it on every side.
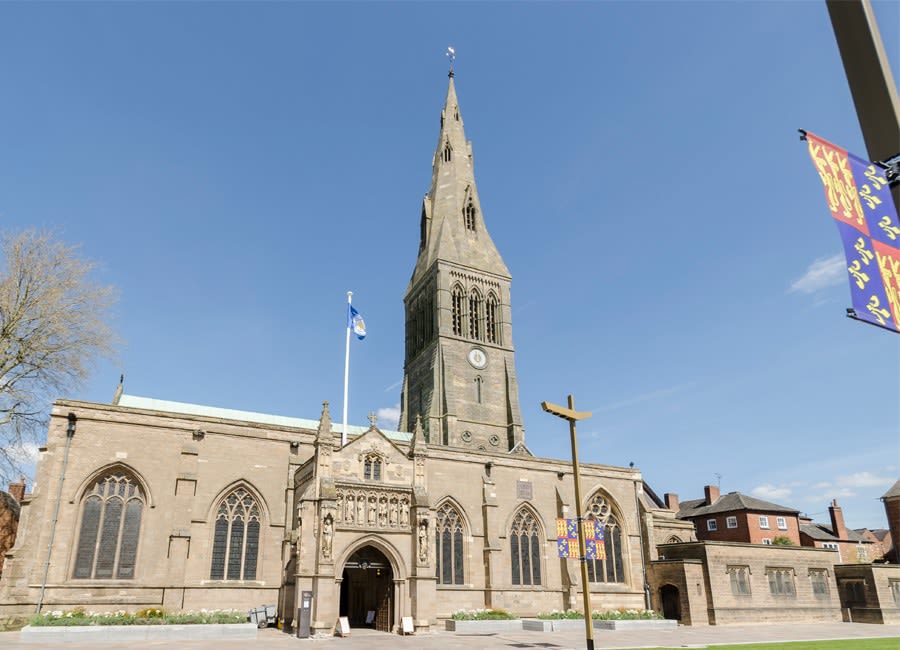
(346, 369)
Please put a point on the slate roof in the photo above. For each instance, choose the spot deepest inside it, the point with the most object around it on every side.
(824, 533)
(893, 492)
(729, 503)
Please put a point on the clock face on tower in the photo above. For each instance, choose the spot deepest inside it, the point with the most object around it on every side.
(477, 358)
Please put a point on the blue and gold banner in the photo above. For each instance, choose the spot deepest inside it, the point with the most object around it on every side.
(860, 201)
(567, 539)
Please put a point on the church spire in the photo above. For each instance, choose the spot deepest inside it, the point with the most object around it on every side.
(452, 226)
(459, 372)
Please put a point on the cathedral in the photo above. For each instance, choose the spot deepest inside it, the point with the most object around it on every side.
(150, 503)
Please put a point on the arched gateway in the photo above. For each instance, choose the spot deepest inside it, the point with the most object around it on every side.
(367, 590)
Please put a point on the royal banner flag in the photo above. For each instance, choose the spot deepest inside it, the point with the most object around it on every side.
(567, 539)
(860, 201)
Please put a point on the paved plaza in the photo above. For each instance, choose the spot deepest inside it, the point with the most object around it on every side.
(682, 637)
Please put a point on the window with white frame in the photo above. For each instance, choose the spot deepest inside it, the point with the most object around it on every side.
(731, 522)
(767, 541)
(781, 522)
(711, 524)
(830, 545)
(763, 521)
(781, 581)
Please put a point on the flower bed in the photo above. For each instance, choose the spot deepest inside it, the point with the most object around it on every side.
(152, 624)
(611, 615)
(483, 621)
(620, 619)
(149, 616)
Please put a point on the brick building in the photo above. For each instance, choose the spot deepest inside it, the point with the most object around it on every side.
(9, 517)
(891, 500)
(851, 545)
(736, 517)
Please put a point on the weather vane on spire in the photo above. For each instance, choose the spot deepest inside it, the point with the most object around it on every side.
(451, 54)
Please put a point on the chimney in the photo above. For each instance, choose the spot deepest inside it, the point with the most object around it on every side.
(837, 520)
(17, 490)
(711, 492)
(671, 501)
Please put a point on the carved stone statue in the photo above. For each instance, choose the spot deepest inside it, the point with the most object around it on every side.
(393, 513)
(404, 513)
(423, 541)
(327, 536)
(351, 509)
(382, 512)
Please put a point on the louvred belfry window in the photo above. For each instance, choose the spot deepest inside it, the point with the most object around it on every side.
(236, 543)
(475, 316)
(469, 215)
(111, 513)
(491, 329)
(456, 305)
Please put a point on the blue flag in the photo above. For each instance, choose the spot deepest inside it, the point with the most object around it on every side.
(356, 323)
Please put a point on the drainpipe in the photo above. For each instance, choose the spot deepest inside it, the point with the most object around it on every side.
(641, 526)
(70, 433)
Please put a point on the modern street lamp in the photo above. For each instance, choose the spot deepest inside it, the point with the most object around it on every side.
(572, 416)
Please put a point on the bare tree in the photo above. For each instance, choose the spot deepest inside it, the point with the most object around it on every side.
(53, 326)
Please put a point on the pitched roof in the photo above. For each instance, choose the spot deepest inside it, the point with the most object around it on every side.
(824, 533)
(733, 501)
(893, 492)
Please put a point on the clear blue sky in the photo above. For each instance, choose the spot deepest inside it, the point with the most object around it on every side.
(235, 168)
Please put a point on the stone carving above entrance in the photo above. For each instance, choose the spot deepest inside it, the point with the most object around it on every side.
(381, 509)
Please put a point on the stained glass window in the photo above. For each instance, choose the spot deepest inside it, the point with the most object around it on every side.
(525, 549)
(610, 568)
(110, 528)
(449, 545)
(236, 538)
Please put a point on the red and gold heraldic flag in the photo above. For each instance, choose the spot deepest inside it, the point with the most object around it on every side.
(567, 539)
(860, 201)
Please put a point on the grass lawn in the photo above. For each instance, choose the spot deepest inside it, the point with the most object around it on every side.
(889, 643)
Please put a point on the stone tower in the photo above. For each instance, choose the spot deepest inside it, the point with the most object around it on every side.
(459, 373)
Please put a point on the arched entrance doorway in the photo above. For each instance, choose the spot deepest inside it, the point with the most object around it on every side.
(671, 603)
(367, 590)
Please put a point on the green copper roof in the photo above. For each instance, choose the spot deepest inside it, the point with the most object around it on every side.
(165, 406)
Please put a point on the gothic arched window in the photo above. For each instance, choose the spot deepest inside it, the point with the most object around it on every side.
(525, 549)
(469, 215)
(236, 543)
(610, 568)
(448, 152)
(475, 315)
(448, 546)
(491, 329)
(372, 468)
(456, 308)
(110, 527)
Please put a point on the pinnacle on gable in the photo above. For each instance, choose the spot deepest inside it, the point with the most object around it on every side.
(324, 432)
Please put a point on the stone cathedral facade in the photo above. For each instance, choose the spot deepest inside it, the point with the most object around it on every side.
(148, 503)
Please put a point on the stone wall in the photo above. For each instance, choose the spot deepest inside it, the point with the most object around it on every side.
(754, 583)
